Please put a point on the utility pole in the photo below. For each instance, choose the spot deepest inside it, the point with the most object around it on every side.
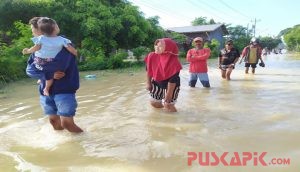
(247, 34)
(254, 26)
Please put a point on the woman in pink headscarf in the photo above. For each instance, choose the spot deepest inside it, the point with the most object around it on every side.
(163, 69)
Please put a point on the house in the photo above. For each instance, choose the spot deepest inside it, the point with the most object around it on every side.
(207, 32)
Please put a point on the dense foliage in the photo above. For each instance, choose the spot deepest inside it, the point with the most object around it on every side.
(292, 38)
(102, 30)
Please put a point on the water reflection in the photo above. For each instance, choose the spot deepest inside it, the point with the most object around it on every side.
(123, 133)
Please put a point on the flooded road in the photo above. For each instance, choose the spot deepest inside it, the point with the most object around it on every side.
(251, 113)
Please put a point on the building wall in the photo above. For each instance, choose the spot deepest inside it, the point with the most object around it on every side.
(217, 34)
(208, 36)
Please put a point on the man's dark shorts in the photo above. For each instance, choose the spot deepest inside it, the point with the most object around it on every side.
(253, 65)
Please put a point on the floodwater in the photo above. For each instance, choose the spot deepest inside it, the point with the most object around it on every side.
(251, 113)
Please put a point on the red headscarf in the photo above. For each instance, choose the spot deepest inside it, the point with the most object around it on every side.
(162, 66)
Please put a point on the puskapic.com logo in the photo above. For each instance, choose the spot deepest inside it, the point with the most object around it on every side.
(234, 159)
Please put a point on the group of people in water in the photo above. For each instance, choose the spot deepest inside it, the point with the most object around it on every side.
(52, 61)
(163, 67)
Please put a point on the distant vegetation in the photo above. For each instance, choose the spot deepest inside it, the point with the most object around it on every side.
(292, 38)
(102, 31)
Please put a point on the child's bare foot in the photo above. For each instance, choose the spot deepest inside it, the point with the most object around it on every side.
(46, 92)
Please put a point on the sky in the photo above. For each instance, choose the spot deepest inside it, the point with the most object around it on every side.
(269, 16)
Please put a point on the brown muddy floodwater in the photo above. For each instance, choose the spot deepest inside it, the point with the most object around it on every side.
(251, 113)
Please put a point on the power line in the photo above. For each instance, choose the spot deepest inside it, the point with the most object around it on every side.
(228, 17)
(176, 14)
(166, 8)
(233, 9)
(201, 7)
(161, 10)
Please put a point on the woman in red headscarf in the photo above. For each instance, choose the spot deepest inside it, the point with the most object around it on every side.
(163, 69)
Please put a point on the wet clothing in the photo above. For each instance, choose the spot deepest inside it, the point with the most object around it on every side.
(198, 60)
(252, 54)
(198, 66)
(164, 68)
(224, 67)
(203, 77)
(228, 57)
(173, 79)
(59, 104)
(159, 89)
(253, 65)
(62, 100)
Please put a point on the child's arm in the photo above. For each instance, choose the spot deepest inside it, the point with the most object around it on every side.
(71, 49)
(33, 49)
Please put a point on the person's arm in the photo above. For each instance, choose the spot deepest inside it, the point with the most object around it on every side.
(33, 49)
(192, 58)
(148, 83)
(244, 52)
(220, 62)
(220, 59)
(189, 56)
(148, 77)
(259, 54)
(58, 75)
(203, 56)
(237, 57)
(71, 49)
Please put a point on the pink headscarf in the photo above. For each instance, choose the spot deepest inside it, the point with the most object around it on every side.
(162, 66)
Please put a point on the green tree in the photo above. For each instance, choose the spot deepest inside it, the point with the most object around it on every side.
(202, 21)
(155, 31)
(238, 31)
(269, 42)
(12, 63)
(177, 37)
(97, 28)
(284, 31)
(292, 39)
(241, 42)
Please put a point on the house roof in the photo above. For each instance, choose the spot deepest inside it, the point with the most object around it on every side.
(199, 28)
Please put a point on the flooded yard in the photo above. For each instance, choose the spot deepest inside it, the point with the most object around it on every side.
(251, 113)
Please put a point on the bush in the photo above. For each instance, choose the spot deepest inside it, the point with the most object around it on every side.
(214, 47)
(139, 52)
(182, 54)
(96, 63)
(116, 61)
(92, 60)
(12, 65)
